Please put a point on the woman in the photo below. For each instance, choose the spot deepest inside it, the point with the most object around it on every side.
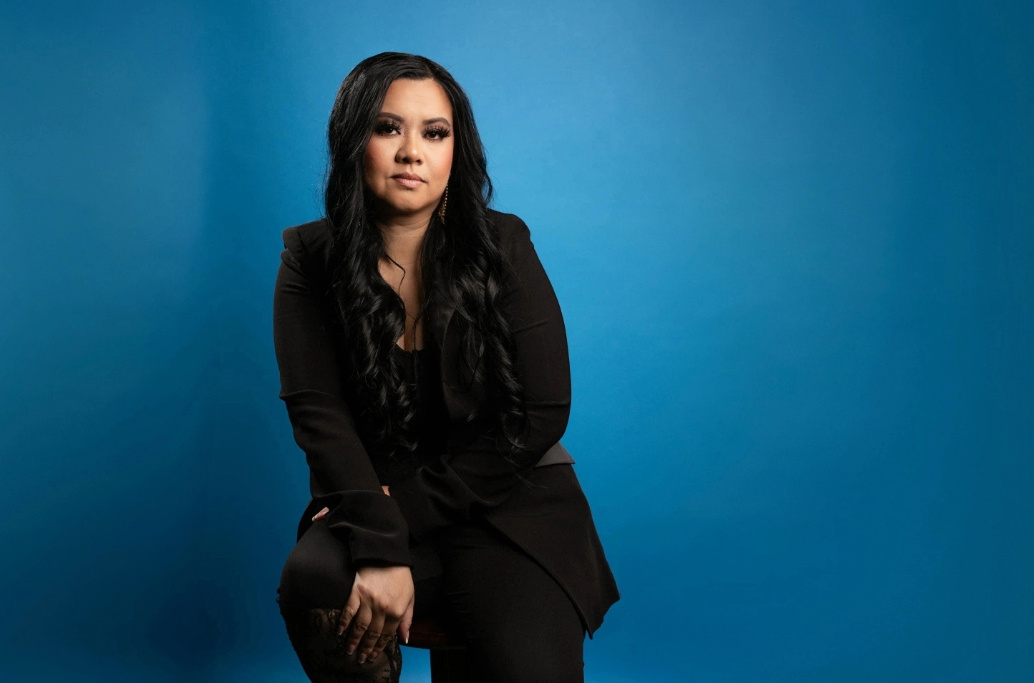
(423, 361)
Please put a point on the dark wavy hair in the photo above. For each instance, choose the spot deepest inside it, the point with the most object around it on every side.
(461, 263)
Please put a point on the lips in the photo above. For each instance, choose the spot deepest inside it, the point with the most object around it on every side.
(408, 180)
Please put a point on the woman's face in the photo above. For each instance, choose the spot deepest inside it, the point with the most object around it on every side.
(409, 156)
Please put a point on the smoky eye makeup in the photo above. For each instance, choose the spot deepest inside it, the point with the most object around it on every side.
(389, 124)
(386, 126)
(437, 132)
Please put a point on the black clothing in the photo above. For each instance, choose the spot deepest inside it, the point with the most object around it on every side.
(518, 624)
(541, 510)
(430, 426)
(422, 371)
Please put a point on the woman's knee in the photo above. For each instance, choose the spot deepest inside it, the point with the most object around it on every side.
(317, 573)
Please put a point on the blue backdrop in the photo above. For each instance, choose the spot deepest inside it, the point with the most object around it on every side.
(793, 244)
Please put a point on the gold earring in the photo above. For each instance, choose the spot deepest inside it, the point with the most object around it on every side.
(441, 207)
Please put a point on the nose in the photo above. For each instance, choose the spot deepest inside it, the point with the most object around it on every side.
(409, 150)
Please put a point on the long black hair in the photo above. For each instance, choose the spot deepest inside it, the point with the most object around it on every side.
(461, 263)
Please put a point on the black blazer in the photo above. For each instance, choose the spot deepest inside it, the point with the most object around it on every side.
(540, 508)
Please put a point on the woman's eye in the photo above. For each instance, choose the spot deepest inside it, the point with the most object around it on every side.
(386, 128)
(437, 133)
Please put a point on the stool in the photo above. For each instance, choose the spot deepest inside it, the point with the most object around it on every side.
(448, 653)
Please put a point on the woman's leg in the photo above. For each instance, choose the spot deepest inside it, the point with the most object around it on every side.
(520, 626)
(314, 585)
(318, 572)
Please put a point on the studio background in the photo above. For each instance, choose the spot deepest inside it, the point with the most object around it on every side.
(792, 241)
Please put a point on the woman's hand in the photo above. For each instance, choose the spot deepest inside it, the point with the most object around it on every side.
(381, 603)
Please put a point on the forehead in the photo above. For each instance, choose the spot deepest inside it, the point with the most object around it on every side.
(423, 99)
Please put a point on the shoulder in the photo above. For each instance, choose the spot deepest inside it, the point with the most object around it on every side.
(508, 225)
(309, 245)
(514, 235)
(308, 238)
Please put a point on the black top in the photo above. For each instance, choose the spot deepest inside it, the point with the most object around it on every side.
(421, 369)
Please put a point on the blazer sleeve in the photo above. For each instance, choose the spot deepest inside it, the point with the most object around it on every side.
(342, 476)
(473, 476)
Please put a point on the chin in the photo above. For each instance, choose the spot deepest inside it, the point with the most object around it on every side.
(404, 207)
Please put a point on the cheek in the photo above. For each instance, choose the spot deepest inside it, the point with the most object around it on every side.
(368, 165)
(445, 162)
(373, 158)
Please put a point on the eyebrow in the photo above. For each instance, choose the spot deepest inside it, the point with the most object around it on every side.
(396, 117)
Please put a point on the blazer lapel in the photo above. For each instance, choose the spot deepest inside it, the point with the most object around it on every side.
(462, 394)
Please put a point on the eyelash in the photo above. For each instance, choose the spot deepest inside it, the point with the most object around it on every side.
(386, 128)
(437, 132)
(391, 127)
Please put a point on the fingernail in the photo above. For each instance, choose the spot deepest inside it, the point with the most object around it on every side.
(406, 639)
(340, 630)
(351, 649)
(362, 658)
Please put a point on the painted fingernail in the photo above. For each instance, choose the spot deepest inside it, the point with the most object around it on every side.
(362, 658)
(351, 649)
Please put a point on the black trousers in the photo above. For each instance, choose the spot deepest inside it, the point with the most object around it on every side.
(518, 623)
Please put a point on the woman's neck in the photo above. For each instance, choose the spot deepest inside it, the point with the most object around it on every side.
(403, 239)
(401, 270)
